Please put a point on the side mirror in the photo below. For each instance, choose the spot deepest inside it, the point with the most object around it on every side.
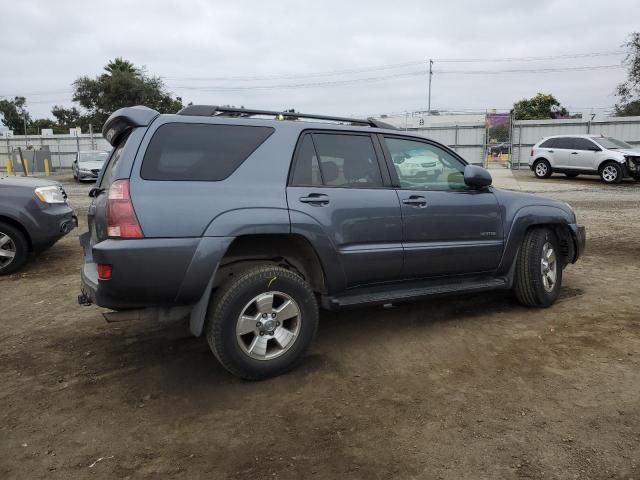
(476, 177)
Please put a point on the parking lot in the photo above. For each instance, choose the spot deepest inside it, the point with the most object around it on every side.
(473, 387)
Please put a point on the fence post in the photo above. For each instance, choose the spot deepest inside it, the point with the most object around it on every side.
(9, 165)
(25, 167)
(46, 167)
(455, 141)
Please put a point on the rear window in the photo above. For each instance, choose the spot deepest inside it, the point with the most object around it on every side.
(200, 152)
(547, 143)
(114, 159)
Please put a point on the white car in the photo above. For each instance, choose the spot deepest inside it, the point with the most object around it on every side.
(87, 165)
(418, 164)
(575, 155)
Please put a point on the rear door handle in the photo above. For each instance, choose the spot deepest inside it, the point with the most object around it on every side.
(574, 153)
(415, 201)
(550, 151)
(317, 199)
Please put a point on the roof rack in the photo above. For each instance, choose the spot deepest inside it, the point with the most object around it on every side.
(215, 111)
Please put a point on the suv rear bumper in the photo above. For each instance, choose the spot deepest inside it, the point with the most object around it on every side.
(150, 271)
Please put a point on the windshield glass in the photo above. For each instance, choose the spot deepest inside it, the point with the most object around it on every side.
(96, 156)
(611, 143)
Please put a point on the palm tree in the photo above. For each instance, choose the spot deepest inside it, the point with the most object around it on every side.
(121, 65)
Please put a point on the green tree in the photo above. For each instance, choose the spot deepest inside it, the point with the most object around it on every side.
(629, 91)
(122, 85)
(14, 114)
(542, 106)
(67, 118)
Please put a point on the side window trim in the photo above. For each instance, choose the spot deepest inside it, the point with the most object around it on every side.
(387, 180)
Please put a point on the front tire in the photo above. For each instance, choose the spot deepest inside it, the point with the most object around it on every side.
(538, 274)
(542, 169)
(14, 249)
(261, 323)
(611, 173)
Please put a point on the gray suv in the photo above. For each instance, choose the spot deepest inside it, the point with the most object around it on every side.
(34, 214)
(247, 221)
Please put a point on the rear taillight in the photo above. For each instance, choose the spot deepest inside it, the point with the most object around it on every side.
(104, 271)
(531, 154)
(121, 217)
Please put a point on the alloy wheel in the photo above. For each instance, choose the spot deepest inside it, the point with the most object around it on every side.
(268, 325)
(548, 267)
(7, 250)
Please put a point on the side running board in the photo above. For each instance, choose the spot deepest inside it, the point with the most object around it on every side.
(413, 291)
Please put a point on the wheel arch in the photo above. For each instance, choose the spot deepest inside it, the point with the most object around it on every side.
(16, 224)
(604, 162)
(534, 217)
(292, 251)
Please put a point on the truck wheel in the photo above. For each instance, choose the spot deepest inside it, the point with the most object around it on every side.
(538, 271)
(542, 169)
(14, 249)
(261, 323)
(611, 172)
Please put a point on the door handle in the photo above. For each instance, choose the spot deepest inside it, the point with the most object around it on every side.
(415, 201)
(318, 199)
(574, 153)
(550, 151)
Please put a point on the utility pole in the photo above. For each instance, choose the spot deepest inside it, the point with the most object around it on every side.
(430, 75)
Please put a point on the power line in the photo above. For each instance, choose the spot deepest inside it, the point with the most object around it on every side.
(532, 59)
(223, 88)
(395, 66)
(229, 88)
(530, 70)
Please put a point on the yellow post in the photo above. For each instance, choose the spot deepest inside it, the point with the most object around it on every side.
(46, 167)
(9, 165)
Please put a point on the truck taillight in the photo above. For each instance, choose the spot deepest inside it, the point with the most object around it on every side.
(121, 217)
(104, 271)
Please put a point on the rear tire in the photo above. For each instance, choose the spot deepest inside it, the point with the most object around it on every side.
(611, 173)
(542, 169)
(538, 276)
(278, 313)
(14, 249)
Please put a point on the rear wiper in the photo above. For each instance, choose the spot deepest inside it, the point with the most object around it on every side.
(95, 191)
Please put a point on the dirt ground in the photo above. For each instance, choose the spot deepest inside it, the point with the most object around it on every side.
(475, 387)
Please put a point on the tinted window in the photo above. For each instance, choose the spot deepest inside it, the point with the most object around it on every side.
(422, 166)
(347, 160)
(188, 151)
(563, 142)
(548, 143)
(583, 144)
(107, 176)
(307, 171)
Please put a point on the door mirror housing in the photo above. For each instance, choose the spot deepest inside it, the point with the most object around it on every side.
(477, 177)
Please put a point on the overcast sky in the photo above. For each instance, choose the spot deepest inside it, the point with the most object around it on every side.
(226, 52)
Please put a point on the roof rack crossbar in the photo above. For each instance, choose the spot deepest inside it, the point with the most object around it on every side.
(212, 110)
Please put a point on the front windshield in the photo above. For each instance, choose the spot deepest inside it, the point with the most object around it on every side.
(93, 157)
(611, 143)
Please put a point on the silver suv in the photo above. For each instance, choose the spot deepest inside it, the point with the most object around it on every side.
(573, 155)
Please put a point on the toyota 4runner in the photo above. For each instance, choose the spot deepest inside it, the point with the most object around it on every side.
(245, 222)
